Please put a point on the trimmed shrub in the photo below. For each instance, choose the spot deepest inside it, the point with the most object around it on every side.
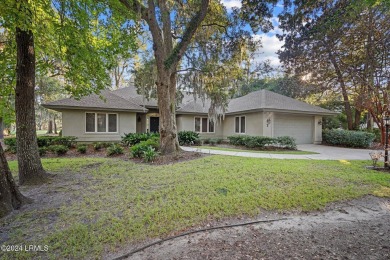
(82, 148)
(114, 149)
(131, 139)
(150, 154)
(188, 137)
(97, 146)
(10, 142)
(42, 151)
(58, 149)
(357, 139)
(46, 141)
(286, 142)
(11, 149)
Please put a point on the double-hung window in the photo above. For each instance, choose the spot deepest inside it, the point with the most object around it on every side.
(101, 123)
(203, 125)
(239, 126)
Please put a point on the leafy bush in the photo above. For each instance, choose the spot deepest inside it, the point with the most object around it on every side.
(82, 148)
(219, 140)
(357, 139)
(139, 149)
(11, 149)
(114, 149)
(188, 137)
(131, 139)
(97, 146)
(58, 149)
(286, 142)
(46, 141)
(10, 142)
(149, 154)
(42, 151)
(206, 141)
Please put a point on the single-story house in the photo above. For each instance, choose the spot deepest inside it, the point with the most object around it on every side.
(260, 113)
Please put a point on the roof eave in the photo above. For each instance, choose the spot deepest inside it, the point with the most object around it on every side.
(288, 111)
(60, 108)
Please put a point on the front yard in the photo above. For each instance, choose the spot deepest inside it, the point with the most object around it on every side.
(97, 206)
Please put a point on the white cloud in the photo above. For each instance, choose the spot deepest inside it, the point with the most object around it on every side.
(229, 4)
(271, 45)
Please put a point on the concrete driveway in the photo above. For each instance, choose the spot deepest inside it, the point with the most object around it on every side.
(324, 153)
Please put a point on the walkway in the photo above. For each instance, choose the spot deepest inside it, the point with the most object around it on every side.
(324, 153)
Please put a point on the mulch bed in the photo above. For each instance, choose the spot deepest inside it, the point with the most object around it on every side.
(91, 153)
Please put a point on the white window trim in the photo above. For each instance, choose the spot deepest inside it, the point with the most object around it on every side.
(96, 128)
(239, 125)
(208, 124)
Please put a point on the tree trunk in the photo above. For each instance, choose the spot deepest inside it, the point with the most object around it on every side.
(54, 124)
(10, 197)
(29, 162)
(166, 104)
(49, 126)
(356, 123)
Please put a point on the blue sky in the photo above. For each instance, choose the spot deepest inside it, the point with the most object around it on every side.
(270, 42)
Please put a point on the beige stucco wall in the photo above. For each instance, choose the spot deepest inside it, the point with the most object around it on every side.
(253, 121)
(317, 129)
(187, 123)
(73, 122)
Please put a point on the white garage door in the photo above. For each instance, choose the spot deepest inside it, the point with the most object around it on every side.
(299, 127)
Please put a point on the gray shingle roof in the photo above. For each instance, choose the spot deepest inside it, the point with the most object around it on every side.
(268, 100)
(111, 101)
(128, 99)
(130, 93)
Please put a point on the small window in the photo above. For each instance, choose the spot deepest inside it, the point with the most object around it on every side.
(101, 123)
(211, 127)
(90, 122)
(204, 125)
(242, 124)
(112, 123)
(197, 124)
(239, 126)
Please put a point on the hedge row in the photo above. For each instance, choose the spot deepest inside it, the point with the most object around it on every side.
(286, 142)
(46, 141)
(357, 139)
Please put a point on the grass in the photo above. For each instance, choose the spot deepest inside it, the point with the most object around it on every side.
(255, 151)
(111, 203)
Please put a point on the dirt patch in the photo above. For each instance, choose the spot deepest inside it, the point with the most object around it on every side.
(357, 229)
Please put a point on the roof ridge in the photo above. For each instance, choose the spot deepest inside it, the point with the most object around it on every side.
(126, 100)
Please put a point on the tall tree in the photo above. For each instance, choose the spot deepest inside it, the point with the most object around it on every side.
(331, 44)
(76, 42)
(173, 26)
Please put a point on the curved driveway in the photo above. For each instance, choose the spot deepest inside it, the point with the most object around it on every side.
(324, 153)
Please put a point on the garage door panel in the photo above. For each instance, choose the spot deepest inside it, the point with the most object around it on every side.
(298, 127)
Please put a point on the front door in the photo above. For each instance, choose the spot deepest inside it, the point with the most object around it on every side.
(154, 124)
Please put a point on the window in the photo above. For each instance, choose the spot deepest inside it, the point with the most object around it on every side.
(204, 125)
(240, 124)
(90, 122)
(101, 123)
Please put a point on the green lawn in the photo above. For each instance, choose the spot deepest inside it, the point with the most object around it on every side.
(254, 151)
(110, 203)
